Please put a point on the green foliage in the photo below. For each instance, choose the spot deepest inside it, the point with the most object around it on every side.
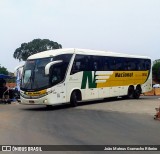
(156, 71)
(35, 46)
(3, 70)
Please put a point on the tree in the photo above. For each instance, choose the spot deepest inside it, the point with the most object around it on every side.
(3, 70)
(156, 71)
(35, 46)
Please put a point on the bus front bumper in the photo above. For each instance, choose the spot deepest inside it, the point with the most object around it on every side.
(39, 101)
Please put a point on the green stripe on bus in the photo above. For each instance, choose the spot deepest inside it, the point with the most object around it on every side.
(87, 76)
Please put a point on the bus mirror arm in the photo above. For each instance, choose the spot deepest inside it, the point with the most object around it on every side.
(18, 68)
(47, 67)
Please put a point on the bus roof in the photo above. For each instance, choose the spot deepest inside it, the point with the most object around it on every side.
(55, 52)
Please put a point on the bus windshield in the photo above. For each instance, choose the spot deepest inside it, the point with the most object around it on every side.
(34, 74)
(34, 77)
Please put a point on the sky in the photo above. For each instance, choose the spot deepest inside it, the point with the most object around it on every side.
(126, 26)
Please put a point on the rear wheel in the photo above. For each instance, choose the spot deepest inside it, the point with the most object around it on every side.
(137, 92)
(73, 99)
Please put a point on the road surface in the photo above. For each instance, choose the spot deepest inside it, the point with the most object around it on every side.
(109, 122)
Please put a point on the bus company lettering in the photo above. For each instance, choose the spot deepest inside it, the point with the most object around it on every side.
(144, 74)
(123, 74)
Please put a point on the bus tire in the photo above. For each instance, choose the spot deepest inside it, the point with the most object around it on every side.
(73, 99)
(137, 92)
(130, 92)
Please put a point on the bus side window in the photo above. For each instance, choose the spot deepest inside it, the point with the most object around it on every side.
(112, 63)
(106, 64)
(75, 67)
(95, 63)
(57, 73)
(147, 64)
(78, 64)
(119, 63)
(125, 66)
(141, 64)
(64, 57)
(131, 64)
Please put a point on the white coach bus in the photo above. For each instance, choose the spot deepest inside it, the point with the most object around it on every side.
(73, 75)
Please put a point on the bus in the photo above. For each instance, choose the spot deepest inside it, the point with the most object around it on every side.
(73, 75)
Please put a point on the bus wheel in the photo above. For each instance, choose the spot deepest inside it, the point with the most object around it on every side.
(137, 92)
(73, 99)
(130, 92)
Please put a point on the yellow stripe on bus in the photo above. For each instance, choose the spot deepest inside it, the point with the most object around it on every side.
(36, 93)
(124, 78)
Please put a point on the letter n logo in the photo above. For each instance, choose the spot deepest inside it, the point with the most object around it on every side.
(87, 76)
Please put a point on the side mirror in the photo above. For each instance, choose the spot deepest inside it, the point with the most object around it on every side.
(47, 67)
(18, 69)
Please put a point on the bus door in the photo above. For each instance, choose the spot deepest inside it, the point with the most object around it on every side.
(57, 75)
(60, 92)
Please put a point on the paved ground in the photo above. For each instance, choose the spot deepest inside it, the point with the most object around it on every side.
(145, 105)
(109, 122)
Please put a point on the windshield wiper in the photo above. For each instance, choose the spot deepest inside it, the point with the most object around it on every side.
(36, 84)
(27, 83)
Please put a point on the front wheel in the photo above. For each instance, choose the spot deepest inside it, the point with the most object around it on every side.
(73, 99)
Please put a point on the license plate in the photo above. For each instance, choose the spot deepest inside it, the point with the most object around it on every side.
(32, 102)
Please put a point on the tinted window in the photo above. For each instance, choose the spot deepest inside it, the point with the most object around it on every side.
(95, 63)
(65, 57)
(112, 63)
(87, 63)
(131, 64)
(105, 63)
(119, 63)
(57, 73)
(147, 64)
(79, 64)
(139, 64)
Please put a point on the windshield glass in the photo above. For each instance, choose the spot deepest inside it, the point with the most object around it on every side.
(34, 77)
(34, 74)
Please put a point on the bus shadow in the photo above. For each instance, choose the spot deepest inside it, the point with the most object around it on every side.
(68, 106)
(44, 108)
(105, 100)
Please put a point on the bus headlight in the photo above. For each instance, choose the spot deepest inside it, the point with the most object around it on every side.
(49, 92)
(45, 101)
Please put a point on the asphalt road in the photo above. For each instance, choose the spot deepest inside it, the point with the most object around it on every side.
(93, 124)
